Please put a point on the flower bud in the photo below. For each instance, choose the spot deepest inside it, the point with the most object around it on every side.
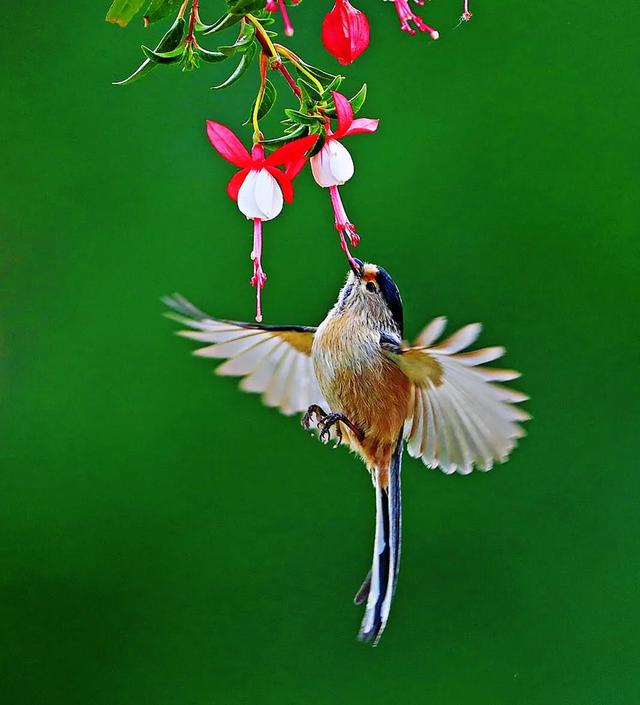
(345, 32)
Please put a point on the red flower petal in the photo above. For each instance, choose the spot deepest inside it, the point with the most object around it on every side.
(362, 125)
(284, 181)
(344, 112)
(292, 151)
(227, 144)
(235, 182)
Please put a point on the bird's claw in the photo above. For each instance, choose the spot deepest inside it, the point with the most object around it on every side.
(325, 428)
(326, 421)
(313, 410)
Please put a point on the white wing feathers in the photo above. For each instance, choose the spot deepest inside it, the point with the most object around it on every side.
(274, 361)
(460, 417)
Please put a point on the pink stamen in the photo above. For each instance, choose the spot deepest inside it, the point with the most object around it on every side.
(343, 226)
(466, 13)
(407, 16)
(288, 27)
(259, 277)
(271, 6)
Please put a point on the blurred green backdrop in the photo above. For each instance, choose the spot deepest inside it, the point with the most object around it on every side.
(165, 539)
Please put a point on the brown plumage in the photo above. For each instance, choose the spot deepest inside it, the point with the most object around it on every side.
(357, 380)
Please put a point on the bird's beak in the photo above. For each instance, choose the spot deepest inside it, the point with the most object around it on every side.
(356, 266)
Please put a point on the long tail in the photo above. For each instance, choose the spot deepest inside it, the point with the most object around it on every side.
(380, 584)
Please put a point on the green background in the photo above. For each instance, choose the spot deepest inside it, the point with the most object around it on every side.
(166, 540)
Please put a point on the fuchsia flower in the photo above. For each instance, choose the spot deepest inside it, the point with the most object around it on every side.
(259, 188)
(332, 166)
(345, 32)
(272, 6)
(407, 16)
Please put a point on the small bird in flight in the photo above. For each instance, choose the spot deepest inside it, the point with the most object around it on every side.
(357, 382)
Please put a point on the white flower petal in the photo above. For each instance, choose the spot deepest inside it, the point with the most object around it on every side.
(321, 169)
(260, 196)
(332, 166)
(247, 197)
(341, 163)
(268, 195)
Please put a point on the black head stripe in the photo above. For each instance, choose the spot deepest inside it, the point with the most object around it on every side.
(391, 295)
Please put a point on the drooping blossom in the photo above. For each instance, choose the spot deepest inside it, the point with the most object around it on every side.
(333, 166)
(345, 32)
(272, 6)
(259, 188)
(407, 16)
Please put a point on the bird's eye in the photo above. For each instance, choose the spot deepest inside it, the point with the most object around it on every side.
(371, 287)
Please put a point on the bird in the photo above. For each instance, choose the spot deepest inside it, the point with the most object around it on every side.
(356, 382)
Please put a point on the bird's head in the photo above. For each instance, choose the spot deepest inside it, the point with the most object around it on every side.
(370, 290)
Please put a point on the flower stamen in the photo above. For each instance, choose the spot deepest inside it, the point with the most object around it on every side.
(407, 16)
(343, 226)
(259, 278)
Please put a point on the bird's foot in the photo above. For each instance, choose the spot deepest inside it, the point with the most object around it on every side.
(313, 410)
(325, 422)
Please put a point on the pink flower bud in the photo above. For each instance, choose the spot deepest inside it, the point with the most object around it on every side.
(345, 32)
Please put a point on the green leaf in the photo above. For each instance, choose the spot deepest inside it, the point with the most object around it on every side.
(299, 132)
(170, 41)
(268, 99)
(159, 9)
(212, 57)
(242, 42)
(356, 102)
(242, 7)
(190, 59)
(164, 57)
(317, 130)
(358, 99)
(225, 21)
(321, 75)
(301, 118)
(310, 89)
(333, 86)
(122, 11)
(244, 64)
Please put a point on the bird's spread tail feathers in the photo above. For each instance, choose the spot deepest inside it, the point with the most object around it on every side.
(379, 585)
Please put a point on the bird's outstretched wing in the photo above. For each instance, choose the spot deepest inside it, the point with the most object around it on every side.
(274, 361)
(460, 417)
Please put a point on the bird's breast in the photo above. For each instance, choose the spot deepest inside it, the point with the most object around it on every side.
(342, 344)
(357, 379)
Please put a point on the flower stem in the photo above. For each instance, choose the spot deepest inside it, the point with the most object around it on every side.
(295, 60)
(263, 37)
(192, 21)
(279, 66)
(257, 134)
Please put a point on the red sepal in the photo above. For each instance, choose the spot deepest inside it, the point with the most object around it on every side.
(227, 144)
(235, 182)
(292, 151)
(362, 125)
(283, 181)
(344, 111)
